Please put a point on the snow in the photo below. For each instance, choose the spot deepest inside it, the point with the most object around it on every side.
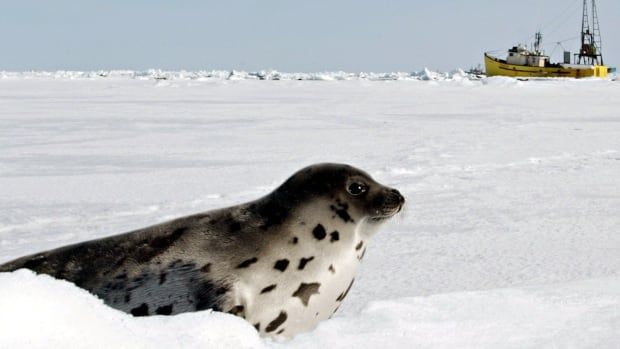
(583, 314)
(509, 238)
(40, 312)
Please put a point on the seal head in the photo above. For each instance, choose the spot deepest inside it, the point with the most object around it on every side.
(348, 186)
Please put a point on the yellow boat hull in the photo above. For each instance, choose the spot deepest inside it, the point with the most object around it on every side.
(497, 67)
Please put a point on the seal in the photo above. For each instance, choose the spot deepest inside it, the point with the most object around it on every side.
(283, 262)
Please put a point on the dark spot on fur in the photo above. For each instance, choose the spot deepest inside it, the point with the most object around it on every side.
(334, 236)
(280, 332)
(294, 240)
(236, 310)
(273, 325)
(234, 227)
(303, 262)
(187, 267)
(247, 263)
(257, 326)
(140, 278)
(142, 310)
(305, 291)
(344, 294)
(342, 210)
(359, 245)
(268, 288)
(281, 264)
(127, 297)
(119, 283)
(162, 278)
(158, 245)
(207, 295)
(163, 242)
(175, 264)
(206, 268)
(116, 264)
(362, 255)
(164, 310)
(331, 268)
(335, 310)
(319, 232)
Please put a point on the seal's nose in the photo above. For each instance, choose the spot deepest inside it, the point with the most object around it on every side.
(398, 195)
(394, 199)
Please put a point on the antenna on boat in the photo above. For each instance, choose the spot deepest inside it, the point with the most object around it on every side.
(591, 43)
(537, 42)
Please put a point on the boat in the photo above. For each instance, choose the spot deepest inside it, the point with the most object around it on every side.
(523, 62)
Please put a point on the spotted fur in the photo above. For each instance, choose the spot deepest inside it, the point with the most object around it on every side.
(273, 325)
(268, 288)
(303, 262)
(305, 291)
(281, 264)
(334, 236)
(238, 259)
(246, 263)
(319, 232)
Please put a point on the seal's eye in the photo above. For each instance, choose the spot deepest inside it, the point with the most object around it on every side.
(356, 188)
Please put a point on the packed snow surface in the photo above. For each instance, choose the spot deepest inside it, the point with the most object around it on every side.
(40, 312)
(510, 237)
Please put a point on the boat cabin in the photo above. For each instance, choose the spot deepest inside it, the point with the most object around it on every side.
(520, 55)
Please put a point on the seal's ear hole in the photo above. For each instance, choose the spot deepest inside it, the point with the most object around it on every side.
(357, 188)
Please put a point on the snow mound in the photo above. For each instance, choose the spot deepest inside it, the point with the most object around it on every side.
(579, 314)
(584, 314)
(41, 312)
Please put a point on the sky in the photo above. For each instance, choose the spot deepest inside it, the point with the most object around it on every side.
(286, 35)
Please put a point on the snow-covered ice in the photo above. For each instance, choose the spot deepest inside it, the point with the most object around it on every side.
(582, 314)
(510, 237)
(40, 312)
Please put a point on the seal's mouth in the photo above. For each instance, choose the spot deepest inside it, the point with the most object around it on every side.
(392, 204)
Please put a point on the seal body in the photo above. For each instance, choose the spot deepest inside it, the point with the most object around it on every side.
(283, 262)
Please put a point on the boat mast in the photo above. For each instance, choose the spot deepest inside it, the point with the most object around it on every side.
(591, 43)
(537, 42)
(596, 31)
